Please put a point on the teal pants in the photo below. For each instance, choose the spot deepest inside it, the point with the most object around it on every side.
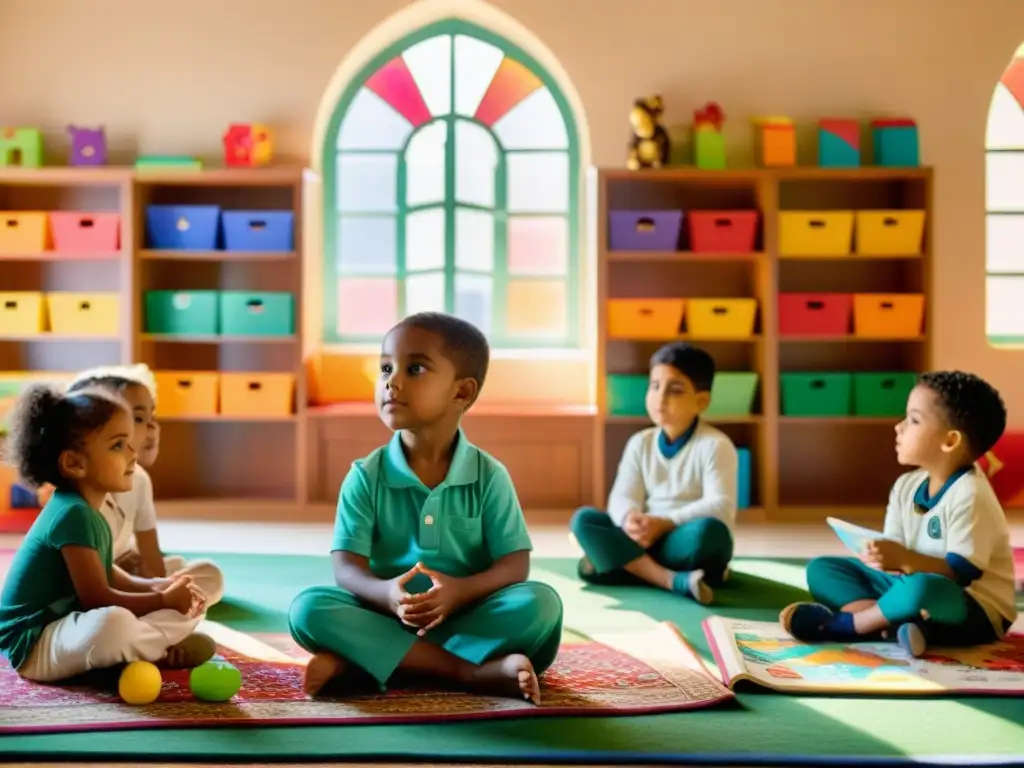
(955, 618)
(522, 618)
(705, 543)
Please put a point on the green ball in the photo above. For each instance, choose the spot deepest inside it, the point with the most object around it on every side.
(216, 680)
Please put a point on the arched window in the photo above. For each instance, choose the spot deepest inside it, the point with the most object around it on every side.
(1004, 204)
(451, 182)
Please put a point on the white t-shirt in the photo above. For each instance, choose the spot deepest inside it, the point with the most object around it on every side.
(967, 520)
(699, 481)
(130, 512)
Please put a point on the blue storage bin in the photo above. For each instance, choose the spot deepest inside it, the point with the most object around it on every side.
(258, 230)
(895, 143)
(744, 480)
(23, 498)
(182, 227)
(644, 230)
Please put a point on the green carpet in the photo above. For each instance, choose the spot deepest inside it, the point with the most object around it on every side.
(762, 728)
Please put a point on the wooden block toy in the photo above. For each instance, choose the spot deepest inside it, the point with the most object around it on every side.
(776, 140)
(838, 143)
(88, 146)
(1004, 466)
(708, 139)
(21, 147)
(247, 145)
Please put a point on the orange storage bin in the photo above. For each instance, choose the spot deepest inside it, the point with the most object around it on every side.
(256, 394)
(22, 232)
(21, 313)
(645, 318)
(890, 233)
(887, 315)
(187, 393)
(84, 314)
(721, 318)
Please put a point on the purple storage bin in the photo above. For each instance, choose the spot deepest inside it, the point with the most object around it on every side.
(644, 230)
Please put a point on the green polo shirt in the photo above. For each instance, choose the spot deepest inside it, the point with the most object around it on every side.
(459, 528)
(38, 590)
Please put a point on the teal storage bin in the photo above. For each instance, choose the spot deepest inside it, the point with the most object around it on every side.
(192, 313)
(817, 394)
(744, 480)
(732, 394)
(882, 394)
(626, 394)
(248, 313)
(895, 143)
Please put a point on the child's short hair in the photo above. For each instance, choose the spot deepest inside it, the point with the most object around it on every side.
(46, 422)
(116, 378)
(464, 344)
(972, 406)
(694, 363)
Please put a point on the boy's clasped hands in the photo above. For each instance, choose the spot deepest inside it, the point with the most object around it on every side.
(427, 609)
(646, 529)
(182, 595)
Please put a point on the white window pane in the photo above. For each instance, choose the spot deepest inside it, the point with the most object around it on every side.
(368, 183)
(1004, 243)
(424, 239)
(367, 245)
(1005, 128)
(474, 240)
(430, 63)
(424, 165)
(476, 159)
(369, 123)
(1004, 307)
(538, 245)
(424, 293)
(538, 182)
(475, 65)
(534, 123)
(473, 299)
(1004, 181)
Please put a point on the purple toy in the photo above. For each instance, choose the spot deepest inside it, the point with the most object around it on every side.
(88, 146)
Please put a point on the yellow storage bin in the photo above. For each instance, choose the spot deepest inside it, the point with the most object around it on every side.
(21, 313)
(23, 232)
(721, 318)
(187, 393)
(84, 314)
(890, 233)
(257, 395)
(815, 233)
(645, 318)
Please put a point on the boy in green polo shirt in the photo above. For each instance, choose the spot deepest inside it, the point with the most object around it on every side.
(431, 553)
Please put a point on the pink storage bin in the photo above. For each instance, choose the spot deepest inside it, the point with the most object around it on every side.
(81, 231)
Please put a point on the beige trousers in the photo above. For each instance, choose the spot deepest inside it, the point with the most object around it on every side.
(205, 574)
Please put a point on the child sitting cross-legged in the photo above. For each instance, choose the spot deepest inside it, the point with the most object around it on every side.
(65, 607)
(943, 573)
(673, 502)
(431, 553)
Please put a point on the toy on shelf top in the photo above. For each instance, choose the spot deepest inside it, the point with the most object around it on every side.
(649, 147)
(168, 163)
(708, 139)
(247, 145)
(88, 146)
(21, 147)
(776, 140)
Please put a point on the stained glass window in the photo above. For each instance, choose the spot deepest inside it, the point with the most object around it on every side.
(451, 184)
(1004, 203)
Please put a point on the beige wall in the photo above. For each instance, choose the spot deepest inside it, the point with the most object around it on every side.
(167, 77)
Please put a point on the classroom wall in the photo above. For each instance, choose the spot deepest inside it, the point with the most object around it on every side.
(167, 77)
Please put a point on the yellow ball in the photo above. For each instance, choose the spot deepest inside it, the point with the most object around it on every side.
(140, 683)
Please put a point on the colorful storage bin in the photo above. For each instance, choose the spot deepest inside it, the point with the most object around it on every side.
(895, 143)
(816, 233)
(723, 231)
(817, 394)
(776, 141)
(732, 394)
(187, 393)
(22, 232)
(627, 393)
(882, 394)
(244, 313)
(721, 318)
(644, 230)
(815, 314)
(890, 233)
(193, 313)
(838, 143)
(22, 313)
(78, 231)
(744, 481)
(256, 394)
(84, 314)
(888, 315)
(258, 230)
(182, 227)
(652, 319)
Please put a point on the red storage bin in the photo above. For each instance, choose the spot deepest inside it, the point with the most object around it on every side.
(723, 231)
(81, 232)
(815, 314)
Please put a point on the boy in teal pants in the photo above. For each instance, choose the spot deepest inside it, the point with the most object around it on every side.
(431, 553)
(673, 503)
(943, 573)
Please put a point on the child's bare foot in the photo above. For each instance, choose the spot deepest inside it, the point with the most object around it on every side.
(511, 676)
(194, 650)
(320, 670)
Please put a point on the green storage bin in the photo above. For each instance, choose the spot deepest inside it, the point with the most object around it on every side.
(626, 394)
(732, 394)
(181, 312)
(248, 313)
(882, 394)
(817, 394)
